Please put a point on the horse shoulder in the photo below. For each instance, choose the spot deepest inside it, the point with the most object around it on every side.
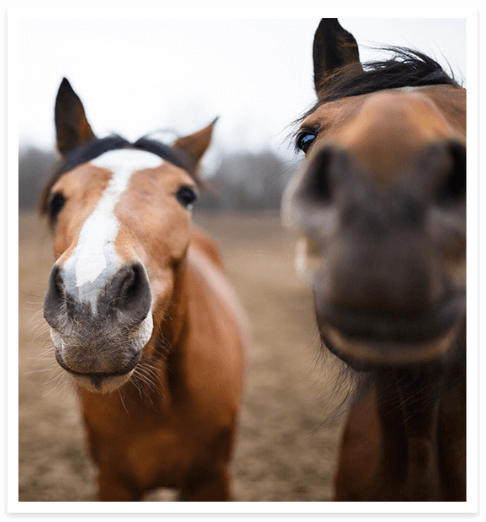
(206, 245)
(216, 344)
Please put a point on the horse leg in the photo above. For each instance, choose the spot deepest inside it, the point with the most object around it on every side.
(210, 485)
(112, 488)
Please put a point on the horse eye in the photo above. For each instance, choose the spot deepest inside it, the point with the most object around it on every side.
(305, 139)
(55, 205)
(186, 197)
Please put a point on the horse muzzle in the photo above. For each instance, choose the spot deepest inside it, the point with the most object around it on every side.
(99, 335)
(369, 338)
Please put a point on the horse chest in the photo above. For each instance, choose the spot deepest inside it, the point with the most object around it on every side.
(157, 458)
(152, 451)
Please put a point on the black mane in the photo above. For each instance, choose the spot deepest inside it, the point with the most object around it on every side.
(406, 68)
(97, 147)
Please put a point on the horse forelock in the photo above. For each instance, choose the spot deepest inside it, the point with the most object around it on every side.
(406, 68)
(98, 147)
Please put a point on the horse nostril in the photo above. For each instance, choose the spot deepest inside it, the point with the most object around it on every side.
(129, 286)
(316, 187)
(129, 292)
(55, 298)
(309, 204)
(453, 186)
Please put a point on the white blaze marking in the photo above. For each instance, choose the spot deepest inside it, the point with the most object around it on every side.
(95, 248)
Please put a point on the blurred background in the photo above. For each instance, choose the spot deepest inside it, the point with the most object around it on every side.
(172, 77)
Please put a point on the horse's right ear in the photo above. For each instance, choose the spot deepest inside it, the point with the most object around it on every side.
(195, 145)
(72, 127)
(333, 48)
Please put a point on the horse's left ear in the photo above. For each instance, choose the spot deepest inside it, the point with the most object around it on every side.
(333, 48)
(72, 127)
(195, 145)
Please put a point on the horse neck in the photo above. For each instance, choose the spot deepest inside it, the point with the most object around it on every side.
(176, 317)
(408, 403)
(409, 396)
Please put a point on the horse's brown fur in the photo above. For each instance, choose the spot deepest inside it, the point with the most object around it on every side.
(174, 423)
(381, 205)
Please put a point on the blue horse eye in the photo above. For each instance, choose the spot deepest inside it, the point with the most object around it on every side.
(305, 140)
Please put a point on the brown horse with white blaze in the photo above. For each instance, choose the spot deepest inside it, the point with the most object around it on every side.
(142, 317)
(381, 207)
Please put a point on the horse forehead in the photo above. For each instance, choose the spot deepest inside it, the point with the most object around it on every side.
(121, 166)
(125, 162)
(389, 130)
(94, 252)
(111, 173)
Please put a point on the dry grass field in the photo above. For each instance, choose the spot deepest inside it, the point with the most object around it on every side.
(286, 451)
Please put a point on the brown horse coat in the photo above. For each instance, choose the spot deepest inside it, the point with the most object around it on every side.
(381, 206)
(142, 316)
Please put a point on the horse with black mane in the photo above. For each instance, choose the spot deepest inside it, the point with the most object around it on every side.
(142, 316)
(381, 207)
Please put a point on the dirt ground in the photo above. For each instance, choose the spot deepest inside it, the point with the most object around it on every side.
(286, 450)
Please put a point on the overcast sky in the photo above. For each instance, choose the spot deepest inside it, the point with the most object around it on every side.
(137, 76)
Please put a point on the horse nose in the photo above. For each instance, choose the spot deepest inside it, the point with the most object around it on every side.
(129, 293)
(370, 240)
(308, 202)
(125, 295)
(393, 275)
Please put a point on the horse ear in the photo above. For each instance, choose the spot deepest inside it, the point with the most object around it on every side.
(333, 48)
(72, 127)
(195, 145)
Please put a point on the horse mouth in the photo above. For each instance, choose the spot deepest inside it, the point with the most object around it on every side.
(366, 339)
(97, 358)
(101, 382)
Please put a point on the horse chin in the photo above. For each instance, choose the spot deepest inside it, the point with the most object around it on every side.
(101, 385)
(367, 353)
(100, 382)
